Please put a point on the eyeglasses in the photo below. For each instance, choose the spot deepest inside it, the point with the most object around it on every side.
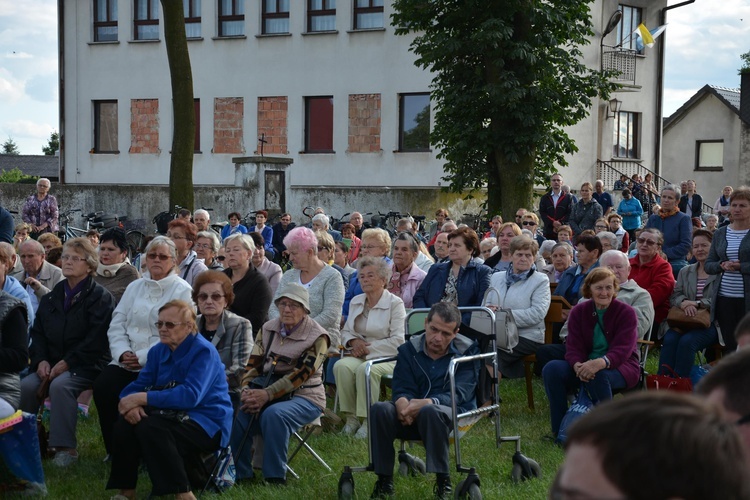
(72, 258)
(202, 245)
(601, 227)
(167, 324)
(214, 297)
(159, 256)
(370, 247)
(288, 305)
(529, 223)
(646, 241)
(221, 258)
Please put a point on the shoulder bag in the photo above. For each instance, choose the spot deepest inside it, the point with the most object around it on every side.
(678, 320)
(505, 329)
(671, 382)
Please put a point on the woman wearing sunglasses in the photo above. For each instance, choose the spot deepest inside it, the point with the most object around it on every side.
(132, 332)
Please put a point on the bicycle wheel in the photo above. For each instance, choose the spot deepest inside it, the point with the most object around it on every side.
(135, 240)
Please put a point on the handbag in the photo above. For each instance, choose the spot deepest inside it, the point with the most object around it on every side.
(677, 319)
(697, 372)
(671, 382)
(582, 404)
(505, 329)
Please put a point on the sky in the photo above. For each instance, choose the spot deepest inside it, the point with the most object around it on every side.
(704, 41)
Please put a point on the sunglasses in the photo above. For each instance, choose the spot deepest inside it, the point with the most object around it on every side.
(529, 223)
(167, 324)
(214, 297)
(155, 256)
(645, 241)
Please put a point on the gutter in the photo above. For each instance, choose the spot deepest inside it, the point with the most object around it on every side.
(61, 85)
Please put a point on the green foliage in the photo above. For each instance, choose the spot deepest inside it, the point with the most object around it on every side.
(15, 175)
(509, 78)
(53, 144)
(10, 148)
(745, 68)
(418, 137)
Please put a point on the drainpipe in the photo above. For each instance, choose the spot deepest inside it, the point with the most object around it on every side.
(61, 84)
(660, 87)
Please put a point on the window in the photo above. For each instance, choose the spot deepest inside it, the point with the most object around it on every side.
(631, 18)
(414, 122)
(105, 127)
(197, 143)
(709, 155)
(319, 124)
(626, 135)
(146, 20)
(275, 16)
(231, 17)
(321, 15)
(192, 18)
(368, 14)
(105, 20)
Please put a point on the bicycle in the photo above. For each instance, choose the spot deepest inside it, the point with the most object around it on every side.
(135, 237)
(94, 220)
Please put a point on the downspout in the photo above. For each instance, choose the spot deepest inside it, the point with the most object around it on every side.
(61, 84)
(660, 87)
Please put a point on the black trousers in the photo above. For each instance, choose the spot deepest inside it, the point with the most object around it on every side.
(729, 312)
(107, 388)
(169, 448)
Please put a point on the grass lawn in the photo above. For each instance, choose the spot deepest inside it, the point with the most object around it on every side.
(87, 478)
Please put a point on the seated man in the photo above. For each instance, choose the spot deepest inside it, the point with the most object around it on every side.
(421, 403)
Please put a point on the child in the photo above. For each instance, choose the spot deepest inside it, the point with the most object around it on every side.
(22, 234)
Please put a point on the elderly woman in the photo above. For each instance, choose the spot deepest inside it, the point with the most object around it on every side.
(49, 241)
(530, 221)
(176, 411)
(693, 291)
(232, 335)
(505, 233)
(486, 246)
(586, 212)
(326, 251)
(270, 270)
(132, 332)
(233, 227)
(374, 329)
(114, 272)
(652, 272)
(348, 232)
(562, 259)
(341, 258)
(40, 210)
(406, 276)
(207, 248)
(721, 207)
(588, 249)
(730, 259)
(183, 233)
(252, 292)
(261, 216)
(712, 222)
(376, 242)
(608, 239)
(615, 225)
(601, 349)
(283, 387)
(526, 292)
(14, 354)
(675, 227)
(462, 281)
(68, 345)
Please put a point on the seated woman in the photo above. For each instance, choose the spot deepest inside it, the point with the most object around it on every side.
(407, 276)
(232, 335)
(615, 225)
(326, 250)
(207, 248)
(692, 291)
(252, 292)
(270, 270)
(501, 260)
(49, 241)
(114, 272)
(526, 292)
(283, 387)
(376, 242)
(601, 348)
(348, 232)
(374, 329)
(68, 345)
(175, 411)
(486, 246)
(341, 258)
(14, 353)
(233, 227)
(562, 259)
(653, 273)
(132, 332)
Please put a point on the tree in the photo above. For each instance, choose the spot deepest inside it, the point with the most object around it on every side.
(53, 144)
(181, 75)
(745, 68)
(10, 148)
(508, 78)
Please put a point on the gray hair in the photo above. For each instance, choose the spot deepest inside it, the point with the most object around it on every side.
(613, 254)
(38, 247)
(610, 236)
(712, 216)
(43, 179)
(409, 238)
(447, 311)
(83, 246)
(321, 218)
(381, 267)
(599, 182)
(448, 227)
(200, 211)
(674, 188)
(209, 235)
(565, 246)
(162, 241)
(547, 246)
(487, 242)
(243, 239)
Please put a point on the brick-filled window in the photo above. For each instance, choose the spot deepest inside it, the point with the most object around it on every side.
(626, 131)
(364, 123)
(272, 124)
(319, 124)
(275, 16)
(105, 127)
(321, 15)
(231, 17)
(105, 20)
(368, 14)
(144, 126)
(229, 115)
(192, 18)
(414, 122)
(197, 143)
(146, 20)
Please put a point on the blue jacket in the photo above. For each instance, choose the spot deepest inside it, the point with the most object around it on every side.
(678, 234)
(267, 234)
(354, 288)
(226, 230)
(565, 283)
(7, 226)
(17, 290)
(473, 281)
(633, 207)
(201, 389)
(411, 380)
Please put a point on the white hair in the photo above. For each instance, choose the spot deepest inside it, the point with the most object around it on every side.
(321, 218)
(200, 211)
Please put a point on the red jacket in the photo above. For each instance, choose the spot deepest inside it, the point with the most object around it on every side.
(657, 279)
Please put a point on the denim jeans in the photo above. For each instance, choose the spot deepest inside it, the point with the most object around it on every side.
(678, 349)
(560, 380)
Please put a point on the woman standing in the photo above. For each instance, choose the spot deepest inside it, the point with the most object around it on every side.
(114, 272)
(721, 207)
(675, 227)
(652, 272)
(252, 293)
(631, 211)
(207, 248)
(586, 212)
(40, 210)
(730, 259)
(261, 216)
(691, 203)
(233, 227)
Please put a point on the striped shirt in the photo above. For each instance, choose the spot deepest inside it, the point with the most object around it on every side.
(731, 281)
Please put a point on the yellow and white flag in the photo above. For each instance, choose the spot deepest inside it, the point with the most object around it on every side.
(644, 37)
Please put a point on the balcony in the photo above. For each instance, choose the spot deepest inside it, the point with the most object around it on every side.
(621, 61)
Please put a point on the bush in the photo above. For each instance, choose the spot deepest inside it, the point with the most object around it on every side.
(15, 176)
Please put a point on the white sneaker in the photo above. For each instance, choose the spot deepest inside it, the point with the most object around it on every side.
(361, 432)
(351, 426)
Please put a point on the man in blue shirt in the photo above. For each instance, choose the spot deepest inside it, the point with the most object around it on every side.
(603, 197)
(420, 408)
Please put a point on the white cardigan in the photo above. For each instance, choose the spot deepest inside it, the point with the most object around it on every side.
(528, 299)
(385, 324)
(132, 327)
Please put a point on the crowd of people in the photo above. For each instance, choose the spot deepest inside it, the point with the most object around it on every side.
(205, 341)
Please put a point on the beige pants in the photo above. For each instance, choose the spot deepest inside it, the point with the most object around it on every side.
(350, 383)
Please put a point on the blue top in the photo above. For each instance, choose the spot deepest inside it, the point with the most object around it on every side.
(267, 234)
(17, 290)
(605, 200)
(678, 234)
(7, 226)
(227, 230)
(570, 284)
(630, 211)
(201, 389)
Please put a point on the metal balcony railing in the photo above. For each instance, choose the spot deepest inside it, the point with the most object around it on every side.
(621, 61)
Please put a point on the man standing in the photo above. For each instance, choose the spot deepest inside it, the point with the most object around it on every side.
(554, 208)
(202, 221)
(603, 197)
(39, 275)
(356, 220)
(420, 408)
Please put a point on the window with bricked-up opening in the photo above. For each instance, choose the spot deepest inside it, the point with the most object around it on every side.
(105, 20)
(105, 127)
(231, 18)
(146, 20)
(319, 124)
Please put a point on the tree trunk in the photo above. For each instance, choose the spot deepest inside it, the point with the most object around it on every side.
(181, 75)
(516, 185)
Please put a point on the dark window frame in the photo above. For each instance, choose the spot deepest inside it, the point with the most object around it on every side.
(370, 9)
(97, 126)
(197, 139)
(190, 17)
(401, 131)
(111, 12)
(711, 168)
(278, 14)
(324, 12)
(626, 32)
(634, 118)
(233, 16)
(149, 21)
(309, 125)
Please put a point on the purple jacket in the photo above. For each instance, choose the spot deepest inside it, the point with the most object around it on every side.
(621, 327)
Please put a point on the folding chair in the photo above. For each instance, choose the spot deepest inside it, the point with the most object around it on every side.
(307, 431)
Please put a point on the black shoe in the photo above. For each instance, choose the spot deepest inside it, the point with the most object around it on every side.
(384, 488)
(443, 489)
(276, 481)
